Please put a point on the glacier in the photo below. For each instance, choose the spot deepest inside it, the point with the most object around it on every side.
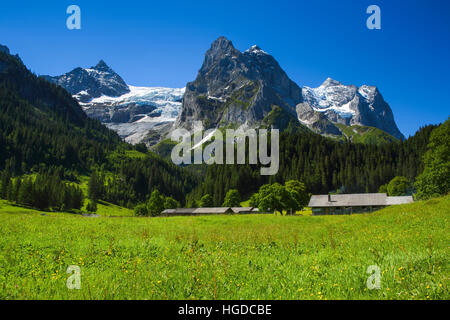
(145, 109)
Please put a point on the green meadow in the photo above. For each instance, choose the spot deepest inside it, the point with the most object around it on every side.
(226, 257)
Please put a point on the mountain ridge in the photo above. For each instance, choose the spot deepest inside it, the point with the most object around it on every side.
(245, 88)
(346, 104)
(248, 89)
(135, 113)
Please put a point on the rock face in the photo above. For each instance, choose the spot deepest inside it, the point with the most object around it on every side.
(237, 88)
(94, 82)
(334, 103)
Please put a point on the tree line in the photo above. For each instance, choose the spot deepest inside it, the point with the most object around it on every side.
(323, 165)
(43, 192)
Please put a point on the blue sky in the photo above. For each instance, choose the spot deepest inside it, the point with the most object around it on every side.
(162, 43)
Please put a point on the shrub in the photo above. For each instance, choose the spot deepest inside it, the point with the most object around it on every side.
(232, 199)
(399, 186)
(141, 210)
(156, 204)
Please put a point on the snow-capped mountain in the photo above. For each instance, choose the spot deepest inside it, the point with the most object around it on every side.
(94, 82)
(134, 112)
(138, 112)
(251, 89)
(232, 88)
(335, 103)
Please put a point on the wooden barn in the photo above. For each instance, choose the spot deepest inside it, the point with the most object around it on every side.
(337, 204)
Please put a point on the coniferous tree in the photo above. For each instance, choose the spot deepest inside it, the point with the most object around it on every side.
(91, 206)
(5, 184)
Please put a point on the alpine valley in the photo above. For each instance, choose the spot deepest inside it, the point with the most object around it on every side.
(97, 202)
(71, 129)
(232, 88)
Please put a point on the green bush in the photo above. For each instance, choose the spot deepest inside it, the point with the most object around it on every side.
(399, 186)
(156, 204)
(171, 203)
(140, 210)
(232, 199)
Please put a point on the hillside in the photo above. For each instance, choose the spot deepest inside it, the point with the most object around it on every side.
(41, 124)
(367, 135)
(228, 257)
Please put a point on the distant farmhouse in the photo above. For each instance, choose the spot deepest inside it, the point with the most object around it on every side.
(209, 211)
(353, 203)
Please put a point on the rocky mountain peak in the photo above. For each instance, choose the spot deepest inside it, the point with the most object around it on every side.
(222, 45)
(330, 83)
(87, 84)
(234, 88)
(102, 66)
(220, 48)
(256, 50)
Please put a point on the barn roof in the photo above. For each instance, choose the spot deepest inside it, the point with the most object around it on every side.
(242, 209)
(357, 200)
(167, 211)
(179, 211)
(399, 200)
(212, 210)
(348, 200)
(193, 211)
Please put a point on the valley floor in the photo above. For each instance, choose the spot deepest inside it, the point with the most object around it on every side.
(227, 257)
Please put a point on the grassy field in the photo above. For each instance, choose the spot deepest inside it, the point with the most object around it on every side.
(227, 257)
